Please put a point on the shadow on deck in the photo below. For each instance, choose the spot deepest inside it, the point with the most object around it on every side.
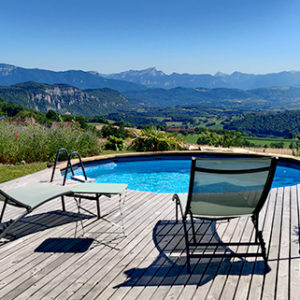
(169, 268)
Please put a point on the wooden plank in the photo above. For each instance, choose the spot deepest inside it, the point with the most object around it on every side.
(270, 280)
(30, 264)
(145, 266)
(61, 270)
(42, 275)
(172, 269)
(110, 265)
(77, 262)
(282, 291)
(200, 266)
(237, 267)
(257, 279)
(295, 246)
(165, 265)
(214, 286)
(126, 259)
(243, 288)
(244, 266)
(10, 248)
(187, 282)
(25, 243)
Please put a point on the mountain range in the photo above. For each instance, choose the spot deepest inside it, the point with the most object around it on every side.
(134, 80)
(153, 78)
(90, 102)
(10, 75)
(65, 99)
(90, 93)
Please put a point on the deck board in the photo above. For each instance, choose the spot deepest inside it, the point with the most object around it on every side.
(295, 247)
(149, 263)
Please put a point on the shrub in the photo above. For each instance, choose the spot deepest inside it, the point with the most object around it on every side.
(35, 142)
(114, 143)
(227, 138)
(119, 132)
(277, 145)
(154, 140)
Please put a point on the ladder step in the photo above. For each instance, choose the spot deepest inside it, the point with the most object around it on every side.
(81, 178)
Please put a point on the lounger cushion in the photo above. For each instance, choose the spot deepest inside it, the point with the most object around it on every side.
(99, 188)
(34, 195)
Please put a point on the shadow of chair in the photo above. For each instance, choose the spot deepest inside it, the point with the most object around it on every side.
(169, 266)
(31, 224)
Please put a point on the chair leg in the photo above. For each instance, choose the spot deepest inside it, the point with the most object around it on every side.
(193, 228)
(98, 206)
(255, 223)
(3, 209)
(186, 245)
(177, 203)
(263, 246)
(63, 203)
(259, 239)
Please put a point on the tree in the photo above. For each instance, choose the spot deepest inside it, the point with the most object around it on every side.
(52, 115)
(155, 140)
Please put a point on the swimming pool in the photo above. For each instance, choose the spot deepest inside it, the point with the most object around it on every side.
(164, 174)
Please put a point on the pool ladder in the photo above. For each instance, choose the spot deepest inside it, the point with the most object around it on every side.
(69, 164)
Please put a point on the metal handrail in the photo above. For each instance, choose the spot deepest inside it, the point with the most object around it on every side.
(69, 164)
(56, 160)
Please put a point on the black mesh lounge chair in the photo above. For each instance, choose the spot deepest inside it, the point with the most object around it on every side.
(32, 196)
(224, 188)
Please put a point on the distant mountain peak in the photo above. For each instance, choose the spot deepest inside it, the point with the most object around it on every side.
(6, 68)
(147, 78)
(10, 75)
(220, 74)
(137, 73)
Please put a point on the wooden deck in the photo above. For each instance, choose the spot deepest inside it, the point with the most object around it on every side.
(47, 259)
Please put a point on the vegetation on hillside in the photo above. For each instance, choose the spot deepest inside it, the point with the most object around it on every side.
(35, 142)
(284, 124)
(224, 138)
(65, 98)
(155, 140)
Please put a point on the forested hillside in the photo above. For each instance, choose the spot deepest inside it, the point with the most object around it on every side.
(285, 123)
(65, 99)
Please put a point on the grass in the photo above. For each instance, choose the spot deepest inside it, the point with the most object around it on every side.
(94, 124)
(11, 172)
(174, 124)
(191, 138)
(267, 141)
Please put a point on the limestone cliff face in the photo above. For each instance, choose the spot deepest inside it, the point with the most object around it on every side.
(65, 98)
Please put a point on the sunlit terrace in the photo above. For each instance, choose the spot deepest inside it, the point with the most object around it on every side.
(53, 254)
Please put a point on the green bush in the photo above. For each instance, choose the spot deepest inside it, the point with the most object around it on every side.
(114, 143)
(154, 140)
(277, 145)
(119, 132)
(35, 142)
(226, 138)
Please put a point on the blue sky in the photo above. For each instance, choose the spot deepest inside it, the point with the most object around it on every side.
(201, 36)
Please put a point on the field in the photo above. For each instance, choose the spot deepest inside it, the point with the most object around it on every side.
(261, 141)
(191, 138)
(257, 141)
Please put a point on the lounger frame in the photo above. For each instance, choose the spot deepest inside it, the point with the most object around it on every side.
(185, 212)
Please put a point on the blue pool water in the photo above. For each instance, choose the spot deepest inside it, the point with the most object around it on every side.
(164, 175)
